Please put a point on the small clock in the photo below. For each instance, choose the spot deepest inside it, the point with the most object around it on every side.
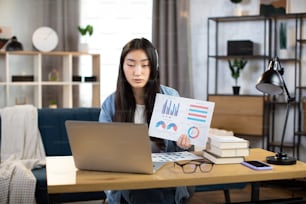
(45, 39)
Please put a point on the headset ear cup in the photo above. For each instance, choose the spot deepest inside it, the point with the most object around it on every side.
(157, 60)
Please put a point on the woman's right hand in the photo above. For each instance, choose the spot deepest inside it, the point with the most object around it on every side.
(183, 142)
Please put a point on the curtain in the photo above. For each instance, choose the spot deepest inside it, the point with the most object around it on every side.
(171, 36)
(63, 16)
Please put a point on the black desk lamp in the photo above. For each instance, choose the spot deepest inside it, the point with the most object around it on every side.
(272, 82)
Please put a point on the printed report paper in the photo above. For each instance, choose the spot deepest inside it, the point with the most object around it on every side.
(173, 116)
(174, 156)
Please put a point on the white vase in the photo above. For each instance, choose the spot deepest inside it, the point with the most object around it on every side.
(54, 106)
(237, 10)
(83, 47)
(283, 53)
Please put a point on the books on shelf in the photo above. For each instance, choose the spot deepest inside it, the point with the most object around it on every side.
(227, 142)
(222, 160)
(232, 152)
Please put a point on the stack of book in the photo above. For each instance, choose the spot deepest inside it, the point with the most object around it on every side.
(226, 149)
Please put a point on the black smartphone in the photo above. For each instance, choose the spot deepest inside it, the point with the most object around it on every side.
(257, 165)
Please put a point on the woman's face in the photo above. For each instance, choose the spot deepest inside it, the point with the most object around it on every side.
(136, 68)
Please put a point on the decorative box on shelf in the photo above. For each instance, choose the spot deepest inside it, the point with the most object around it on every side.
(90, 78)
(22, 78)
(76, 78)
(239, 47)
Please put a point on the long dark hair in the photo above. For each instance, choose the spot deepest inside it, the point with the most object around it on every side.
(125, 103)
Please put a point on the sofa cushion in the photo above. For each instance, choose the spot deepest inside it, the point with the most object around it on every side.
(51, 123)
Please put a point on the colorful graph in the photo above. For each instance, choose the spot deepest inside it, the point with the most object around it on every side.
(172, 127)
(163, 126)
(170, 108)
(197, 113)
(193, 132)
(160, 124)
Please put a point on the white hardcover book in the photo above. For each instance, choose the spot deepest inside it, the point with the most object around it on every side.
(227, 142)
(234, 152)
(222, 160)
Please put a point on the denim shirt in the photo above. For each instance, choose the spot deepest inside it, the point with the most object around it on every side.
(106, 115)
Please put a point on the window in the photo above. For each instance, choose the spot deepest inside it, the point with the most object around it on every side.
(115, 23)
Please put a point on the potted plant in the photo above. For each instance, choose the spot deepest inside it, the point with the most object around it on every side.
(52, 104)
(88, 30)
(237, 9)
(236, 67)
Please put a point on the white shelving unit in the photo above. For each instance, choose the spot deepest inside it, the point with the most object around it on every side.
(42, 89)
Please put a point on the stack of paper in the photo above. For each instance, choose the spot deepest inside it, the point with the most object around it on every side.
(226, 149)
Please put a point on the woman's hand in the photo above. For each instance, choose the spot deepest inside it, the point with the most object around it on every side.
(183, 142)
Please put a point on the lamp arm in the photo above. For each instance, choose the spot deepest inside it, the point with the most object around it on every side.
(280, 70)
(285, 127)
(290, 99)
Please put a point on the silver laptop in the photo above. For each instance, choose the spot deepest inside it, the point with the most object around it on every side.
(117, 147)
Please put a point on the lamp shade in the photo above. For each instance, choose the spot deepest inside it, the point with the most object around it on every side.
(270, 82)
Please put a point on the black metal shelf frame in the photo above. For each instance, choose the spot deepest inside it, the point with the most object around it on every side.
(270, 39)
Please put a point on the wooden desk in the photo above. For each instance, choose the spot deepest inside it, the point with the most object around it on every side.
(63, 177)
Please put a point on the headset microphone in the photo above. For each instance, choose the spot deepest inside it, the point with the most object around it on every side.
(157, 63)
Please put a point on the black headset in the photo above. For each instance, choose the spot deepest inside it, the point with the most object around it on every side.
(157, 63)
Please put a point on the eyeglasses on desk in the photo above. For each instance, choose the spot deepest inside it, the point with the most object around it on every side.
(189, 167)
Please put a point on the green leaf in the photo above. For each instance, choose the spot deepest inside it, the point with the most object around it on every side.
(88, 29)
(236, 66)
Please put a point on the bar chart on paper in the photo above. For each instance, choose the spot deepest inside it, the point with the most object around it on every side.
(170, 108)
(173, 116)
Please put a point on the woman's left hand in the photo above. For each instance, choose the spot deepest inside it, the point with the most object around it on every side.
(183, 142)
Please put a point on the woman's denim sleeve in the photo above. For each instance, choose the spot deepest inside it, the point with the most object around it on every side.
(107, 109)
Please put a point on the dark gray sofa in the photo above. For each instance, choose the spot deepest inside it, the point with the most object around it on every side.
(51, 123)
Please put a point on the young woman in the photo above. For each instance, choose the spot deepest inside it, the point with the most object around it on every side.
(137, 85)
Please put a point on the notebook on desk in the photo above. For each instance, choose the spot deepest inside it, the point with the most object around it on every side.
(117, 147)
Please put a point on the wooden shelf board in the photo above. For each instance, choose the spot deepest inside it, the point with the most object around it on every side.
(239, 56)
(278, 144)
(257, 17)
